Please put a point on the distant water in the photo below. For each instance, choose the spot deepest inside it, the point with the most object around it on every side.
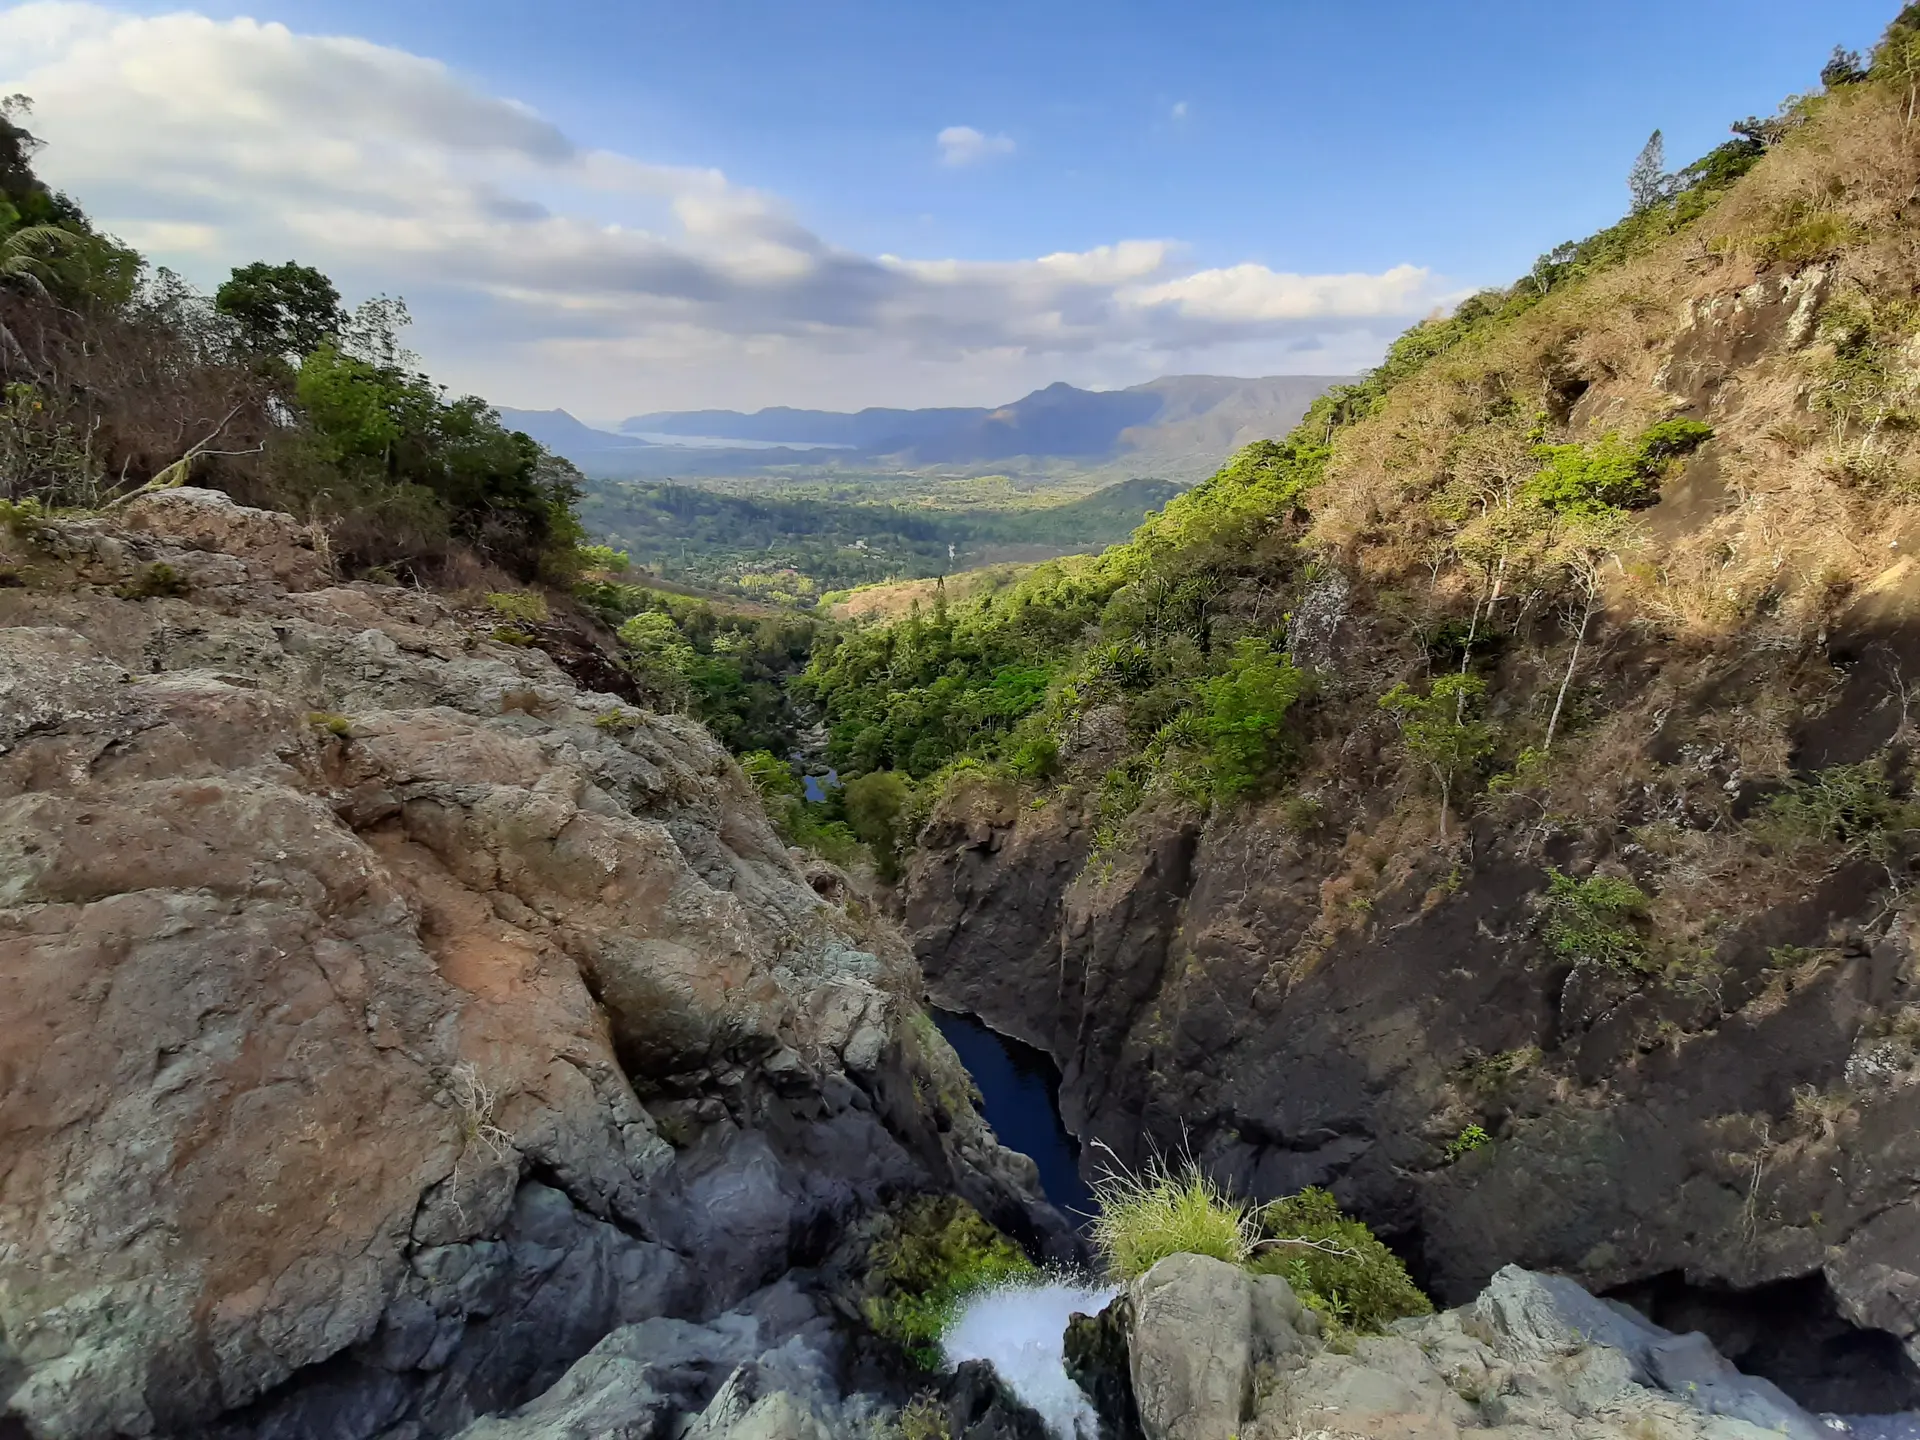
(1021, 1089)
(721, 442)
(1021, 1329)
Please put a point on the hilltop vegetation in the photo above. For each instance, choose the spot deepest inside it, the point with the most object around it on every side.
(118, 376)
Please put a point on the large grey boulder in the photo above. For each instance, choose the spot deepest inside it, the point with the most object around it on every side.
(1193, 1348)
(1532, 1317)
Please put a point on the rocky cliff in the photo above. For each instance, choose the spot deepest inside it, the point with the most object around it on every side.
(1623, 985)
(390, 1020)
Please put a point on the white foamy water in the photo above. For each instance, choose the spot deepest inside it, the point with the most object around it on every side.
(1020, 1330)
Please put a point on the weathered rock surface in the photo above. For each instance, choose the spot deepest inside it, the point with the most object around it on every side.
(389, 1022)
(1534, 1356)
(1192, 1352)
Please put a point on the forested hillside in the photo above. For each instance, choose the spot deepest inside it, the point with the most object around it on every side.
(793, 550)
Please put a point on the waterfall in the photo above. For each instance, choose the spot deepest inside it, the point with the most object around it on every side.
(1020, 1330)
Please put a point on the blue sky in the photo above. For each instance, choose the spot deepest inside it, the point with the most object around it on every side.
(1407, 151)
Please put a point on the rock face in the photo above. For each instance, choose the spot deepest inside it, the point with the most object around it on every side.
(1218, 1353)
(1758, 1131)
(389, 1023)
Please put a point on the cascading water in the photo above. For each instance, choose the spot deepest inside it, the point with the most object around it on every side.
(1020, 1330)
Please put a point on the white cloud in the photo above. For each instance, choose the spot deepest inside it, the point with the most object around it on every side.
(542, 272)
(1179, 110)
(964, 145)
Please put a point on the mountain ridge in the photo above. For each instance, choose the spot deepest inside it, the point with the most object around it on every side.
(1183, 424)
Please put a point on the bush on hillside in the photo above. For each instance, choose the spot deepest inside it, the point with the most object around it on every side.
(1243, 712)
(1593, 921)
(1613, 474)
(1335, 1264)
(931, 1254)
(1850, 805)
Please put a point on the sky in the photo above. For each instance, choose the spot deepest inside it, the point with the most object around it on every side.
(630, 206)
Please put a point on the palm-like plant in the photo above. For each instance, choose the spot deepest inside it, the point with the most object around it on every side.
(28, 256)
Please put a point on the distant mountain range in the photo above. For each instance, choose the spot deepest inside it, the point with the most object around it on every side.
(1180, 427)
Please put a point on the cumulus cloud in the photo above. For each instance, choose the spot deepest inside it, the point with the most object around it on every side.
(544, 272)
(964, 145)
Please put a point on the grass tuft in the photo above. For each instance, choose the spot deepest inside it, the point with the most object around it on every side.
(1145, 1217)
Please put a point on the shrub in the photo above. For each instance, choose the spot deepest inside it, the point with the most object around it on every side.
(876, 807)
(924, 1418)
(1471, 1138)
(1144, 1218)
(333, 724)
(1442, 729)
(1335, 1263)
(1037, 758)
(1851, 804)
(1612, 474)
(154, 581)
(1591, 921)
(772, 777)
(933, 1253)
(1243, 711)
(529, 607)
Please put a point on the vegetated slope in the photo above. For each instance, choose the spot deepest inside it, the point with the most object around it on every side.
(1492, 801)
(793, 549)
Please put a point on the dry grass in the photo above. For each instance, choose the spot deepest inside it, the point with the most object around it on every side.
(1416, 493)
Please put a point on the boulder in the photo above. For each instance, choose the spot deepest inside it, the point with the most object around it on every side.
(1192, 1348)
(208, 520)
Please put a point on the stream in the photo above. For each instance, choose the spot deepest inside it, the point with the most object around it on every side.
(1020, 1091)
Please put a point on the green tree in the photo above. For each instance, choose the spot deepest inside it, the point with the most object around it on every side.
(1243, 712)
(287, 310)
(876, 805)
(1442, 731)
(1648, 181)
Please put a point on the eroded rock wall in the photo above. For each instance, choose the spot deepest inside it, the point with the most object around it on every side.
(387, 1019)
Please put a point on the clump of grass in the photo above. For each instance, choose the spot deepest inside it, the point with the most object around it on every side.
(1145, 1217)
(934, 1252)
(330, 722)
(526, 606)
(1335, 1264)
(511, 635)
(154, 581)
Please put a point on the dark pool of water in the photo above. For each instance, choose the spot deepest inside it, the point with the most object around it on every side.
(1021, 1089)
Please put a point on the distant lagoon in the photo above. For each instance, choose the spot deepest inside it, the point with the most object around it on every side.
(720, 442)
